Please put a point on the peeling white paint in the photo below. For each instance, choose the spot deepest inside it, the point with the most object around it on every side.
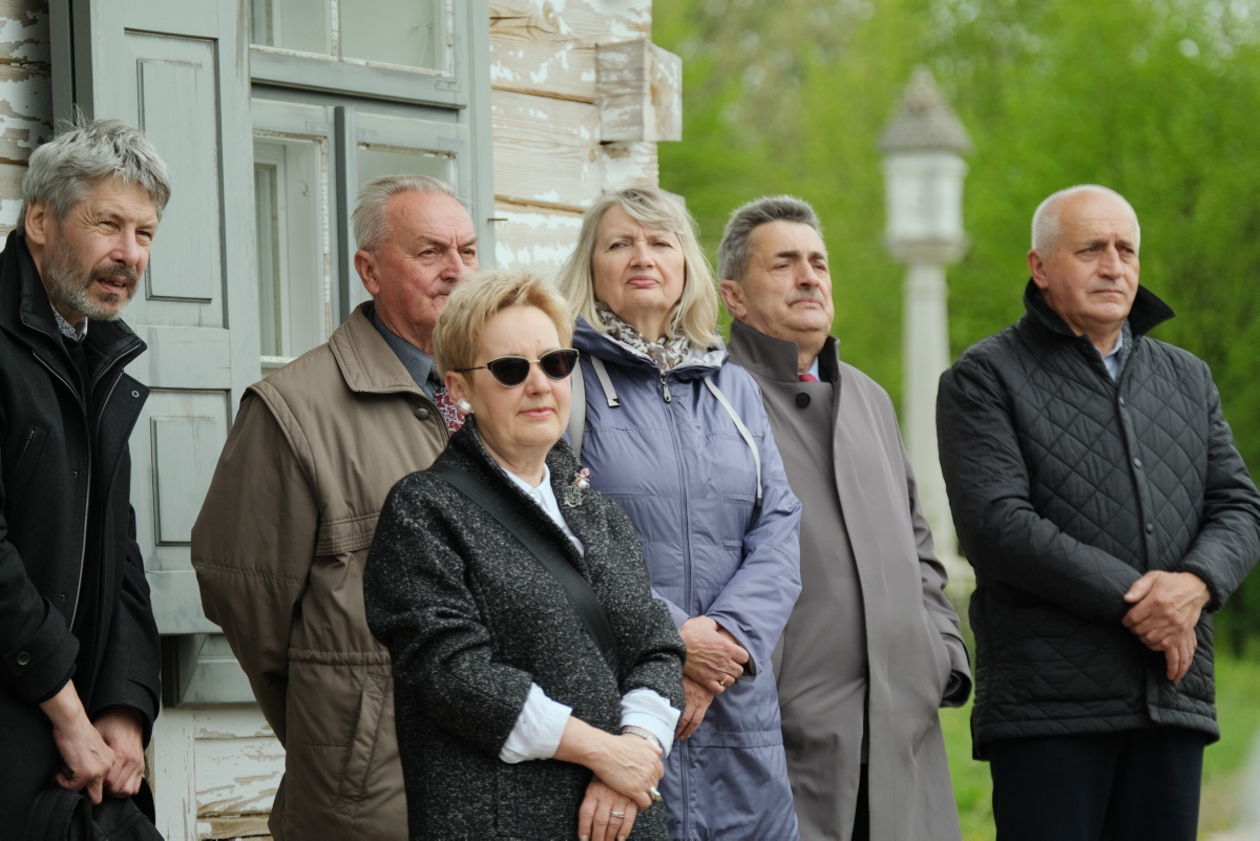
(629, 163)
(539, 76)
(499, 70)
(9, 212)
(29, 33)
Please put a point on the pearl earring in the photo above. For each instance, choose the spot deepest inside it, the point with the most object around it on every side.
(465, 407)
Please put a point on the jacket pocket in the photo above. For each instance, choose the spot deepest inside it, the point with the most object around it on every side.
(352, 784)
(30, 448)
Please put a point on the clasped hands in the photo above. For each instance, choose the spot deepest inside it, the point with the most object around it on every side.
(714, 662)
(101, 757)
(1166, 608)
(627, 769)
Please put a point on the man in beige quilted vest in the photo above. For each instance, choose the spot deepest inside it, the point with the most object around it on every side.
(281, 539)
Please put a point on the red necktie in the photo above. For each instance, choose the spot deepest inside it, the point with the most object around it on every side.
(807, 377)
(452, 416)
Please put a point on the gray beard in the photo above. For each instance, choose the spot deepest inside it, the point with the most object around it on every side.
(68, 289)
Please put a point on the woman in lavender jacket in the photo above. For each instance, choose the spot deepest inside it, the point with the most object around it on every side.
(678, 435)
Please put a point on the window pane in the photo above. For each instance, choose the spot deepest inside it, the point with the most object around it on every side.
(407, 32)
(291, 24)
(294, 264)
(375, 160)
(268, 257)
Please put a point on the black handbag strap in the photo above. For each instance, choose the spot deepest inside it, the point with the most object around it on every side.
(578, 588)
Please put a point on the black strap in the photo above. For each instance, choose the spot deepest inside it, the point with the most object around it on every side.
(578, 588)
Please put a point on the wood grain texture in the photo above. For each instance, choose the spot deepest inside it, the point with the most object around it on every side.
(548, 48)
(533, 238)
(548, 152)
(25, 96)
(638, 92)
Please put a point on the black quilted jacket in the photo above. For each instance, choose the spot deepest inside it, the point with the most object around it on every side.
(1065, 487)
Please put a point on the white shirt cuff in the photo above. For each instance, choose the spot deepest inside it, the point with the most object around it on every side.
(538, 729)
(650, 710)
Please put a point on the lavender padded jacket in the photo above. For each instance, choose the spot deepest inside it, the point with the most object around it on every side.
(672, 456)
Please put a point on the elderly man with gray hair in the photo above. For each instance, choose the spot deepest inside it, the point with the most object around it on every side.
(1099, 496)
(873, 649)
(282, 537)
(78, 644)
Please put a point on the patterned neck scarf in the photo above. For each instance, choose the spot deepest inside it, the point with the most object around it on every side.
(667, 353)
(451, 416)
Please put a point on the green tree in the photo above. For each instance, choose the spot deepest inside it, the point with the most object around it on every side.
(1156, 98)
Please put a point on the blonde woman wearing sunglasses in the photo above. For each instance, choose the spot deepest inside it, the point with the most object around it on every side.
(538, 683)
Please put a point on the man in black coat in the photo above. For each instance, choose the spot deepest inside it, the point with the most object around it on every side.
(1097, 492)
(78, 644)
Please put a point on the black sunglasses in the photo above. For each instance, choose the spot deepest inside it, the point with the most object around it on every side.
(512, 370)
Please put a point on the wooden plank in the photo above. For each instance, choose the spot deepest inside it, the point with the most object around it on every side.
(172, 774)
(244, 826)
(238, 762)
(532, 238)
(547, 152)
(638, 92)
(547, 48)
(25, 96)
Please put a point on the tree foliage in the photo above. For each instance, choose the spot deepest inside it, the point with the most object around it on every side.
(1156, 98)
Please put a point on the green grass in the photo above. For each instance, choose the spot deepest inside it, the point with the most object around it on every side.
(1237, 688)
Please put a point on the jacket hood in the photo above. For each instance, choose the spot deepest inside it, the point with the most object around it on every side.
(700, 362)
(1148, 311)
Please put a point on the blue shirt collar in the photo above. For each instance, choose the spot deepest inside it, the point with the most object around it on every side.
(418, 363)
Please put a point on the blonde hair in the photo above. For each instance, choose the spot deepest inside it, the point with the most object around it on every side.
(695, 314)
(480, 298)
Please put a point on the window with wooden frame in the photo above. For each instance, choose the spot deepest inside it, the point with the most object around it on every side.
(344, 91)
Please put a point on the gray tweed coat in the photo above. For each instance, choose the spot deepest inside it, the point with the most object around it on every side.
(471, 617)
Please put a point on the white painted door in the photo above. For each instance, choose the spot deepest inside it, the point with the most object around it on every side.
(179, 71)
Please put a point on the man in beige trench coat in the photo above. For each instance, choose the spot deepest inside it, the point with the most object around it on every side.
(282, 537)
(873, 647)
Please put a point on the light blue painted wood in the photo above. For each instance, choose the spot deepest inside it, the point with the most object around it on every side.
(179, 71)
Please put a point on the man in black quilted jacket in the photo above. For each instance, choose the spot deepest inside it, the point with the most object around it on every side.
(1097, 492)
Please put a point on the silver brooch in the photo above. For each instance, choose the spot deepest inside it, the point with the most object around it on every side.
(573, 493)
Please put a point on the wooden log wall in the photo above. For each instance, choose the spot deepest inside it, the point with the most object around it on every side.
(25, 96)
(549, 162)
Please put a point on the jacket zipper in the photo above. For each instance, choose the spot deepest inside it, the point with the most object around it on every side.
(26, 445)
(688, 591)
(87, 488)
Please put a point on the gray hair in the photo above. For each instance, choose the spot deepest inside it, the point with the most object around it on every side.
(370, 222)
(734, 251)
(1045, 221)
(695, 314)
(61, 172)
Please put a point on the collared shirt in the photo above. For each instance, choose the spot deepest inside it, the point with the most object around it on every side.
(73, 332)
(545, 497)
(540, 725)
(418, 363)
(814, 370)
(1114, 361)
